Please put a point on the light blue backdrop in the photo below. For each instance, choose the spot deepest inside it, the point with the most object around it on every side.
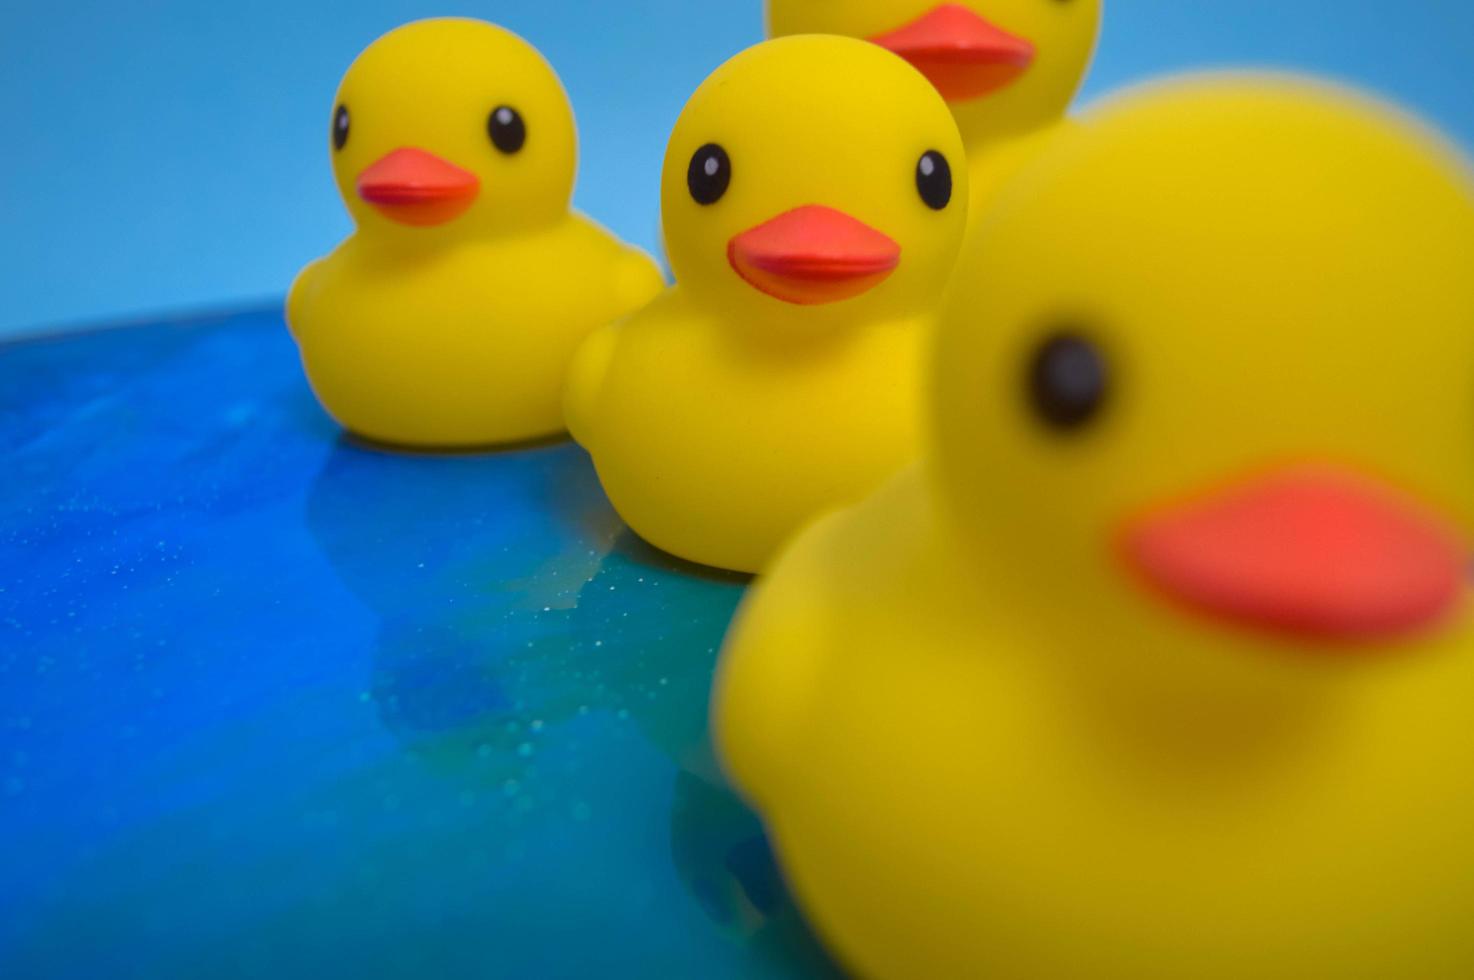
(171, 154)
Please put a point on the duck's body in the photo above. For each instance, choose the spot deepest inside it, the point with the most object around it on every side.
(448, 318)
(807, 425)
(1031, 829)
(1158, 665)
(466, 344)
(781, 375)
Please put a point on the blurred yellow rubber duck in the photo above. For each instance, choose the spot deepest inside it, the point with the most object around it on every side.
(812, 217)
(449, 317)
(1008, 68)
(1160, 664)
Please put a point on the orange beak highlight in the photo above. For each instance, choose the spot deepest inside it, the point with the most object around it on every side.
(961, 54)
(414, 187)
(812, 255)
(1311, 551)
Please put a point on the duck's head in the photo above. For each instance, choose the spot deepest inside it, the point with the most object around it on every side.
(811, 181)
(1005, 66)
(452, 127)
(1206, 382)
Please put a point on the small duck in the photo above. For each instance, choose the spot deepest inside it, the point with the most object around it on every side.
(1008, 68)
(780, 376)
(448, 318)
(1159, 663)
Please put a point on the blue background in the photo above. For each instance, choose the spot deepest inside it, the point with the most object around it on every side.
(170, 154)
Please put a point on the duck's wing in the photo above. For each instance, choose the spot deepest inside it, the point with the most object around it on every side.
(770, 661)
(627, 272)
(637, 279)
(585, 382)
(300, 295)
(876, 554)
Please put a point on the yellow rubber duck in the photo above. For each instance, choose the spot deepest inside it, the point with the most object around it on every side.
(448, 318)
(1008, 68)
(812, 217)
(1159, 664)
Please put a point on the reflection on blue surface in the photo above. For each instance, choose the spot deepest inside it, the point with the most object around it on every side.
(272, 703)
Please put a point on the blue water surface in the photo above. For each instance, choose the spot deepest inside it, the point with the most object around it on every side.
(276, 704)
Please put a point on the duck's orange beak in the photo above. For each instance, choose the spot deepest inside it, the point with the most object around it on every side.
(415, 187)
(813, 255)
(963, 55)
(1313, 551)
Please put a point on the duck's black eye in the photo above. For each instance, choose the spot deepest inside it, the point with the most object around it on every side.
(1068, 381)
(709, 174)
(508, 131)
(934, 180)
(340, 127)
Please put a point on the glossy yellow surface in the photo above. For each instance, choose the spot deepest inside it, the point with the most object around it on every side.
(1002, 128)
(459, 334)
(721, 418)
(984, 749)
